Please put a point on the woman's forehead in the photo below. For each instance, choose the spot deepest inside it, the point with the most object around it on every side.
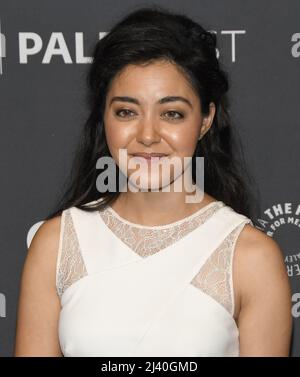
(156, 80)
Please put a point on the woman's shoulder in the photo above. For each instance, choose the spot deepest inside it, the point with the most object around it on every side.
(259, 261)
(253, 243)
(38, 299)
(43, 249)
(48, 233)
(263, 293)
(256, 251)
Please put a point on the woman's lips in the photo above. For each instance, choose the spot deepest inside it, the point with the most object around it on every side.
(149, 155)
(149, 158)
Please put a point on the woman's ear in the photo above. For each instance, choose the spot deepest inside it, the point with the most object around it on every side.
(208, 120)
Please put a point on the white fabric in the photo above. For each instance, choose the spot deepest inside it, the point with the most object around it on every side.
(127, 305)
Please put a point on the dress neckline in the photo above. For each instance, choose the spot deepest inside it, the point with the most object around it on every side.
(169, 225)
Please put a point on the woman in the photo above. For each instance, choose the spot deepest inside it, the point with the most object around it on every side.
(144, 272)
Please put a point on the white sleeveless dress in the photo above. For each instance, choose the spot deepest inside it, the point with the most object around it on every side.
(132, 290)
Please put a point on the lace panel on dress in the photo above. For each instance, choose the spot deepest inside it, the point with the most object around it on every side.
(215, 276)
(71, 266)
(145, 241)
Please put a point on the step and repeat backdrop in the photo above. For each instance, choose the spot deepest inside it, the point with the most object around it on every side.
(45, 52)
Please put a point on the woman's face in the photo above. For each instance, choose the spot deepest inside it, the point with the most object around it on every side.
(153, 109)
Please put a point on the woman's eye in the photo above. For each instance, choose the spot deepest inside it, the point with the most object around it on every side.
(124, 111)
(174, 115)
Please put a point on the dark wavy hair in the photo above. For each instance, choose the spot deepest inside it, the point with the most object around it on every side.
(142, 37)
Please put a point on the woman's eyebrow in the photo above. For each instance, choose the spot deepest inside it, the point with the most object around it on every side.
(161, 101)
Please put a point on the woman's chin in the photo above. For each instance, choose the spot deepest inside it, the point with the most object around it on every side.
(147, 185)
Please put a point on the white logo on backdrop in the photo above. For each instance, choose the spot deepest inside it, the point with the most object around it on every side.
(284, 219)
(2, 306)
(31, 44)
(296, 306)
(2, 49)
(57, 38)
(296, 47)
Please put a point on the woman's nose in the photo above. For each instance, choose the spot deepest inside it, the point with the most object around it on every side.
(148, 131)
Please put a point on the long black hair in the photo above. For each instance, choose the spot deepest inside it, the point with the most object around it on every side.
(141, 37)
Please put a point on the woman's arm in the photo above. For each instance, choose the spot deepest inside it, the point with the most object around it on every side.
(265, 320)
(39, 305)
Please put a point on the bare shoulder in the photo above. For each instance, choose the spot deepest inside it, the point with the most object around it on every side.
(39, 304)
(258, 264)
(257, 252)
(48, 233)
(40, 263)
(44, 245)
(263, 295)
